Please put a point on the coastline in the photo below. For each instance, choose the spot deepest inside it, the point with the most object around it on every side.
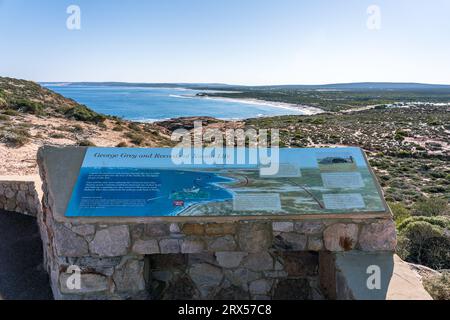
(305, 109)
(252, 107)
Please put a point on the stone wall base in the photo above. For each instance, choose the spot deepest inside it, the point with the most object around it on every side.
(276, 257)
(261, 276)
(20, 197)
(235, 275)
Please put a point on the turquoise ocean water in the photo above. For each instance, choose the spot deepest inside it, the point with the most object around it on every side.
(152, 104)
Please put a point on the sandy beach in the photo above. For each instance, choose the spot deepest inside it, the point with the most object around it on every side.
(305, 109)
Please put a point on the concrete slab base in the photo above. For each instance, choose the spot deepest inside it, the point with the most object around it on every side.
(369, 276)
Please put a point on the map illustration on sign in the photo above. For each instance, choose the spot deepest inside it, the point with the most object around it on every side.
(147, 182)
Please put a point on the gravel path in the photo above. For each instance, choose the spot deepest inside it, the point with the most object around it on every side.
(21, 273)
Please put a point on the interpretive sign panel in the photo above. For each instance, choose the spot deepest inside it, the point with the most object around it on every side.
(157, 182)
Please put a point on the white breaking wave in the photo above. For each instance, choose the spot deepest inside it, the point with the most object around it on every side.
(303, 109)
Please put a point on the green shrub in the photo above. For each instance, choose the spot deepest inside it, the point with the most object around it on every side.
(399, 137)
(420, 241)
(4, 117)
(404, 154)
(74, 129)
(11, 112)
(57, 136)
(83, 113)
(86, 143)
(318, 121)
(441, 222)
(136, 138)
(134, 126)
(15, 137)
(436, 253)
(418, 231)
(28, 106)
(431, 207)
(399, 211)
(434, 189)
(438, 286)
(122, 145)
(77, 128)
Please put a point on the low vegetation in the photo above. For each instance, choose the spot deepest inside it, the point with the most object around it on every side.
(439, 286)
(15, 137)
(332, 100)
(25, 103)
(86, 143)
(23, 96)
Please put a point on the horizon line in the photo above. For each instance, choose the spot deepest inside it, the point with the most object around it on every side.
(249, 85)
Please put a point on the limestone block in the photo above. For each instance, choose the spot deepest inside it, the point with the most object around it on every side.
(174, 228)
(90, 283)
(225, 243)
(309, 227)
(241, 277)
(111, 242)
(32, 202)
(10, 204)
(291, 241)
(260, 287)
(169, 246)
(130, 277)
(192, 246)
(315, 243)
(24, 187)
(68, 243)
(259, 261)
(255, 237)
(146, 247)
(21, 197)
(220, 229)
(105, 266)
(378, 236)
(204, 257)
(157, 230)
(206, 277)
(193, 229)
(84, 229)
(9, 193)
(230, 259)
(341, 237)
(282, 226)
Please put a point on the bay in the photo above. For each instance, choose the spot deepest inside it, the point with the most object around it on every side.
(148, 104)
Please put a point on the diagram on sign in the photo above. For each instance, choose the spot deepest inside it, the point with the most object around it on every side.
(308, 181)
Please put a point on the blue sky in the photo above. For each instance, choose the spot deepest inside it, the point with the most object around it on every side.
(227, 41)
